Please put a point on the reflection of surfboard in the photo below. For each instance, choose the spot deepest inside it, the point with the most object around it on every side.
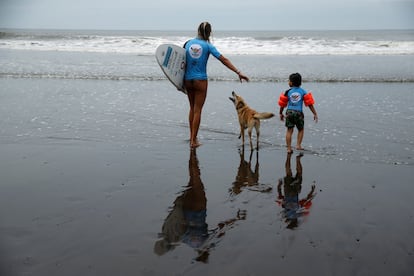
(171, 59)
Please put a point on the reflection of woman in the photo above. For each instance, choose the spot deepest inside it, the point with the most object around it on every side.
(195, 79)
(194, 206)
(187, 220)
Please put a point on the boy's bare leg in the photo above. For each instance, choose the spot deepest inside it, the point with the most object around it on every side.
(289, 133)
(300, 138)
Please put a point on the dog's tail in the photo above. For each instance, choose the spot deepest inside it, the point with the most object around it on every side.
(263, 115)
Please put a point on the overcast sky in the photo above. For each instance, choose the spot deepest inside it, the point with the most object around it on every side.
(223, 14)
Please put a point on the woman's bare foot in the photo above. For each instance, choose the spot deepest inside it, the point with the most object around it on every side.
(299, 148)
(195, 144)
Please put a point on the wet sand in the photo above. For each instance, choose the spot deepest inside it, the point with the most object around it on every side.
(97, 179)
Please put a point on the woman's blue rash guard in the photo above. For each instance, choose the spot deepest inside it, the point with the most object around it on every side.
(295, 96)
(197, 53)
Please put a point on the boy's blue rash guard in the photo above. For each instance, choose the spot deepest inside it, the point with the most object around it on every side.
(197, 53)
(295, 96)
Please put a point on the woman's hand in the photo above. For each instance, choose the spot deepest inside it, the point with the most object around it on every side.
(242, 77)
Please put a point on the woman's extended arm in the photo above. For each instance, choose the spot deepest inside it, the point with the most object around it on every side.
(230, 65)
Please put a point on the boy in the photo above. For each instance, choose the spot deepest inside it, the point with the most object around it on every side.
(293, 99)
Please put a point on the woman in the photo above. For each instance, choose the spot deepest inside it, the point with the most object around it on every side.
(195, 79)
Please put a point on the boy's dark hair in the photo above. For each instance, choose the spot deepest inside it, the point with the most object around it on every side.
(295, 79)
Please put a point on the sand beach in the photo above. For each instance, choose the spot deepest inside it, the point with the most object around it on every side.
(97, 177)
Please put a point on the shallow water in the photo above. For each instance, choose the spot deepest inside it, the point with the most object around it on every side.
(91, 171)
(362, 122)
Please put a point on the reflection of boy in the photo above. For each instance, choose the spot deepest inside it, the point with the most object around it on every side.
(293, 207)
(293, 99)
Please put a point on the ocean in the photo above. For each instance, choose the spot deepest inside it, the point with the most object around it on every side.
(97, 178)
(264, 55)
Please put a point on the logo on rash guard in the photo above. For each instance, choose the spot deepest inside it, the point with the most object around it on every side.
(295, 97)
(196, 50)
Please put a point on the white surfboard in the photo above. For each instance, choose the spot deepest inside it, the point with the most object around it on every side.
(171, 59)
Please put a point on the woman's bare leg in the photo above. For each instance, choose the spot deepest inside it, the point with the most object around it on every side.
(197, 93)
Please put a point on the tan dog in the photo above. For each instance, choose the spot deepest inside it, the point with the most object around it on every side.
(248, 118)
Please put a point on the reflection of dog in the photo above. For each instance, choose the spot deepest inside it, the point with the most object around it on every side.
(247, 178)
(248, 118)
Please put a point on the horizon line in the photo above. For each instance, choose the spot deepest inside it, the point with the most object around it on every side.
(215, 30)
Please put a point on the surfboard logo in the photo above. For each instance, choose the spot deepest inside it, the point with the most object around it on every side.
(196, 51)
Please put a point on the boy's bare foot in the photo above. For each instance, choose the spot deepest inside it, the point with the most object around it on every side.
(299, 148)
(289, 151)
